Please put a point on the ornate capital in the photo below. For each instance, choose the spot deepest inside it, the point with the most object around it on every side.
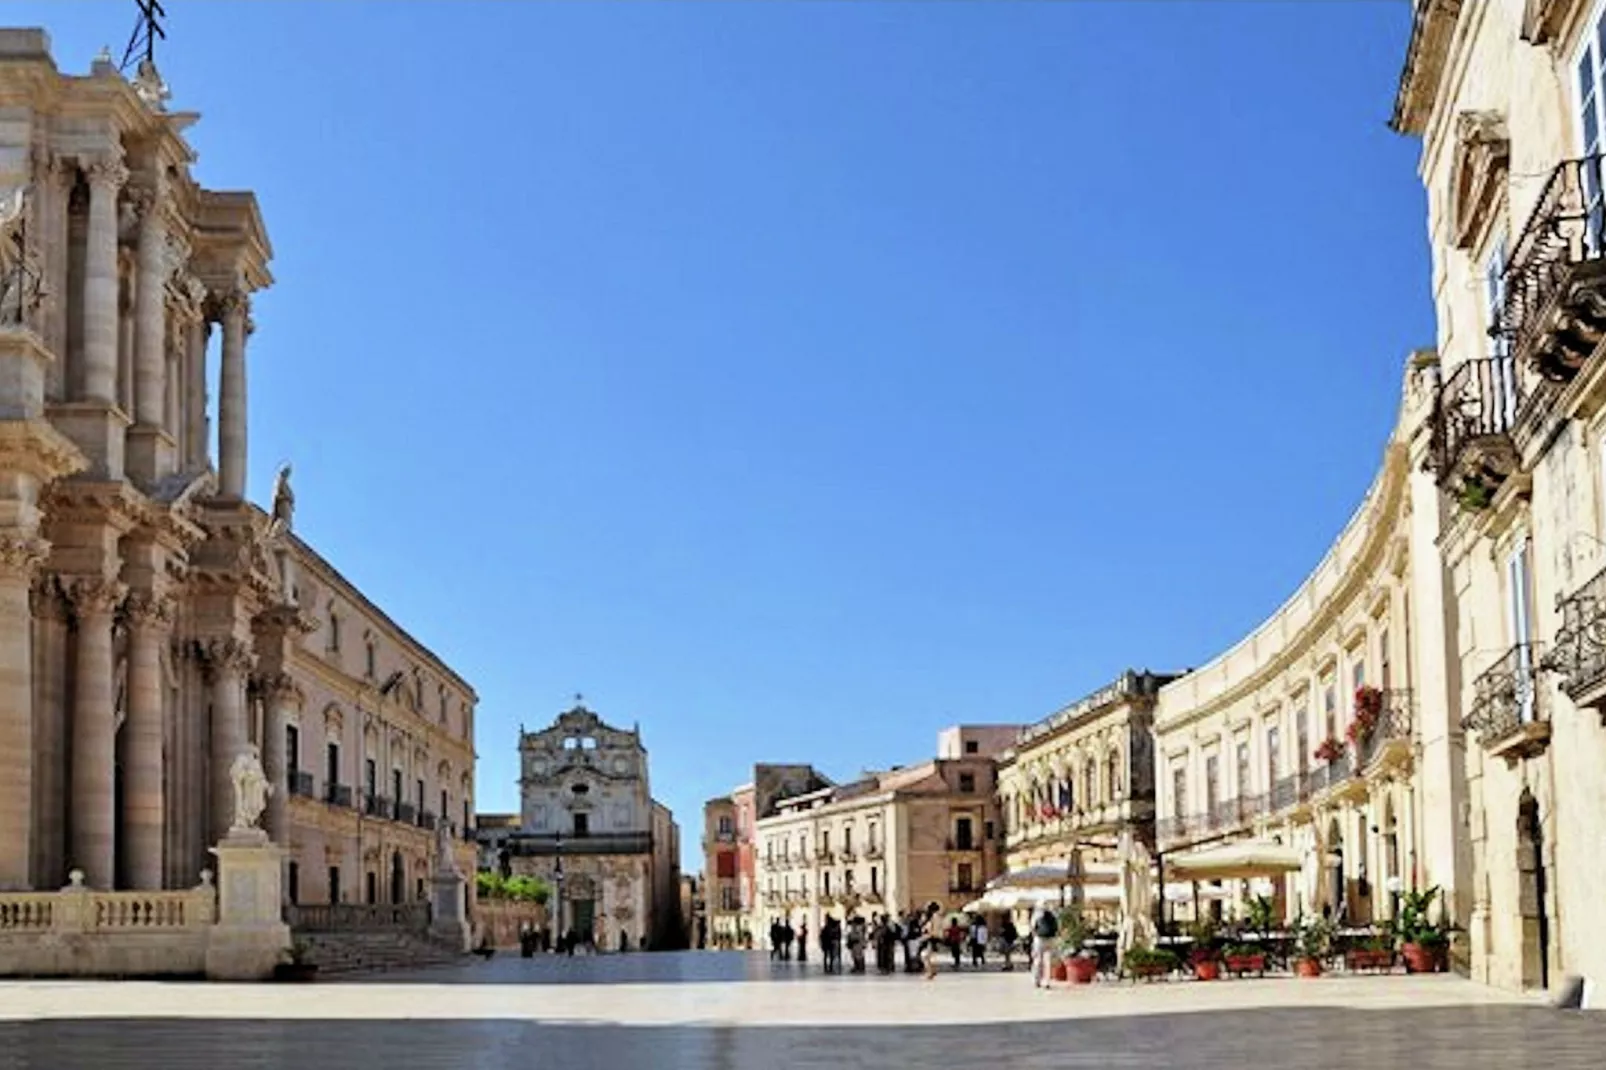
(47, 600)
(146, 609)
(95, 596)
(141, 200)
(106, 172)
(229, 654)
(229, 303)
(21, 554)
(175, 254)
(280, 688)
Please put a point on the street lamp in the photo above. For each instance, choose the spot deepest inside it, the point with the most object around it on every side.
(557, 877)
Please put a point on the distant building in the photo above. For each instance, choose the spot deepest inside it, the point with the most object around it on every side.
(885, 843)
(589, 826)
(728, 863)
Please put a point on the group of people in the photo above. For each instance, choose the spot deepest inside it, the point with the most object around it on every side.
(924, 936)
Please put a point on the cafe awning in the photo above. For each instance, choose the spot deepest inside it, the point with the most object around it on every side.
(1056, 875)
(1243, 860)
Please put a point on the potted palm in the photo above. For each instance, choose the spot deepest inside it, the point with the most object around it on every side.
(1080, 966)
(1205, 957)
(1313, 942)
(1422, 941)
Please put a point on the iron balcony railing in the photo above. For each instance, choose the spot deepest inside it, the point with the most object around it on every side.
(406, 813)
(959, 845)
(1507, 697)
(592, 844)
(377, 806)
(1473, 418)
(1553, 312)
(338, 795)
(1289, 791)
(1395, 723)
(1579, 655)
(301, 783)
(426, 820)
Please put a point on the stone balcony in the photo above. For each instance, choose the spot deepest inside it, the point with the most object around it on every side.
(1508, 710)
(1474, 416)
(1555, 281)
(1579, 654)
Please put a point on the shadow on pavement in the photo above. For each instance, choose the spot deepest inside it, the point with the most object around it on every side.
(1464, 1038)
(674, 967)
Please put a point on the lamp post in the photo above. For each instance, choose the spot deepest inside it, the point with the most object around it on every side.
(557, 878)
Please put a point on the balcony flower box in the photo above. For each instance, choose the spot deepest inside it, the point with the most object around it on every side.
(1144, 963)
(1242, 960)
(1329, 750)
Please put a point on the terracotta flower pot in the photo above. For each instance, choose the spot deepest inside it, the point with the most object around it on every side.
(1242, 964)
(1419, 959)
(1082, 969)
(1058, 971)
(1308, 967)
(1207, 969)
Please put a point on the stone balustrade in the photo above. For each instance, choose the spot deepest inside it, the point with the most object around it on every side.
(84, 932)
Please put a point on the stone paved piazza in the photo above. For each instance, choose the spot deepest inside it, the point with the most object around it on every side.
(728, 1010)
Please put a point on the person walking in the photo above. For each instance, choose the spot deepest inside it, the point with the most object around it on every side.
(856, 942)
(803, 940)
(1044, 929)
(978, 941)
(1009, 936)
(934, 933)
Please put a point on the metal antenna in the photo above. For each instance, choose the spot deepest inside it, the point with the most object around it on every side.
(142, 42)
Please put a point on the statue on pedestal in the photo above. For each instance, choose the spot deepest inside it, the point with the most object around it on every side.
(279, 528)
(284, 500)
(251, 790)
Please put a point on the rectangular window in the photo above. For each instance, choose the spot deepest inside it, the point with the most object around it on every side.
(1591, 71)
(373, 887)
(582, 825)
(1519, 594)
(1274, 748)
(972, 747)
(292, 752)
(331, 765)
(967, 783)
(1302, 748)
(1330, 709)
(963, 835)
(1212, 784)
(1357, 673)
(334, 884)
(875, 880)
(396, 786)
(446, 811)
(419, 795)
(1384, 667)
(966, 877)
(1179, 791)
(847, 839)
(370, 775)
(825, 841)
(825, 883)
(1244, 785)
(292, 883)
(725, 825)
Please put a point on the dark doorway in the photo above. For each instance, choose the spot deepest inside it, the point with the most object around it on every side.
(334, 884)
(398, 878)
(1532, 893)
(582, 824)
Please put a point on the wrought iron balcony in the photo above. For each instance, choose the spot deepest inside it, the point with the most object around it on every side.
(1289, 791)
(1391, 731)
(376, 806)
(1508, 710)
(406, 813)
(338, 795)
(301, 783)
(962, 846)
(1579, 655)
(1473, 418)
(1555, 280)
(426, 820)
(874, 851)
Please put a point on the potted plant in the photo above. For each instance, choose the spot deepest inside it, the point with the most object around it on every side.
(1149, 962)
(297, 964)
(1245, 958)
(1329, 750)
(1079, 966)
(1422, 941)
(1368, 711)
(1474, 495)
(1313, 942)
(1205, 957)
(1376, 954)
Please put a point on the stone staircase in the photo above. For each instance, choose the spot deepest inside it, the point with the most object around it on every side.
(374, 951)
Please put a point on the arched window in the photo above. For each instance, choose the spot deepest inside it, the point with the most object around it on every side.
(1113, 774)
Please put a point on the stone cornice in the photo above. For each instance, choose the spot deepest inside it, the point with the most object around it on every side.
(36, 447)
(117, 504)
(350, 690)
(1432, 27)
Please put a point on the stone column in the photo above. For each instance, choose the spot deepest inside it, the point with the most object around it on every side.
(19, 556)
(100, 312)
(231, 397)
(94, 733)
(196, 447)
(150, 619)
(230, 661)
(150, 308)
(279, 692)
(56, 176)
(49, 734)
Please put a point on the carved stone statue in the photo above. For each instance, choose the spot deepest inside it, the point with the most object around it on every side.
(284, 500)
(445, 858)
(251, 790)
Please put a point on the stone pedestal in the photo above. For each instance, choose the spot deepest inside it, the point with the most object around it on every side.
(449, 920)
(250, 936)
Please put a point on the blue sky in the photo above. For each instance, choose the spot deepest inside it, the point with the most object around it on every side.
(797, 379)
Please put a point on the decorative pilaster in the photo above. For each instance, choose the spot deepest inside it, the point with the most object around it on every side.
(150, 620)
(94, 732)
(19, 555)
(234, 308)
(230, 661)
(196, 447)
(159, 254)
(106, 176)
(50, 612)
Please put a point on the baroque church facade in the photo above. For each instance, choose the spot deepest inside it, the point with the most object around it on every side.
(589, 826)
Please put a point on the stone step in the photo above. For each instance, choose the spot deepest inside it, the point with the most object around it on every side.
(374, 951)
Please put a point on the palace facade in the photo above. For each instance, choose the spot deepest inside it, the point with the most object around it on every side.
(154, 624)
(1508, 99)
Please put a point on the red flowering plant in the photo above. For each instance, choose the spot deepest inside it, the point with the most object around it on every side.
(1368, 711)
(1330, 750)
